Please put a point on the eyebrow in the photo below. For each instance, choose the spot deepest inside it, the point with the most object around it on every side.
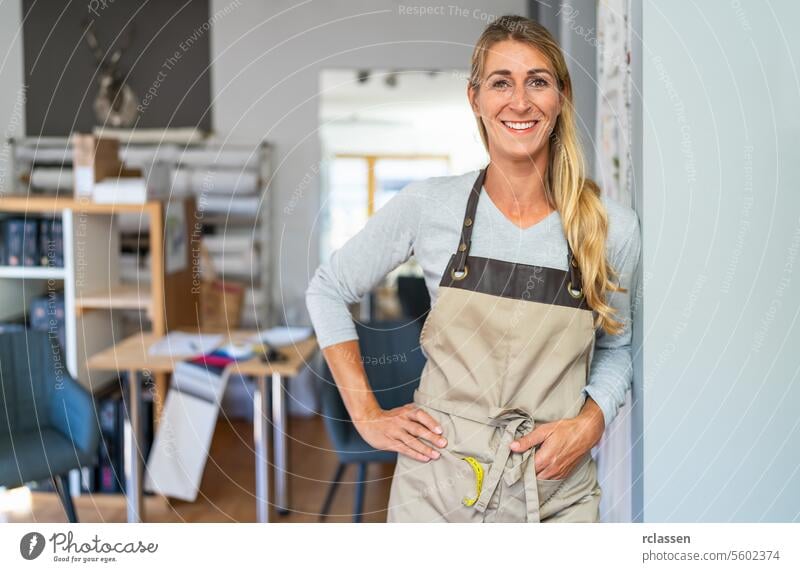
(532, 71)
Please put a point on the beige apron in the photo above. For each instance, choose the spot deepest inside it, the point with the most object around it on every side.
(509, 347)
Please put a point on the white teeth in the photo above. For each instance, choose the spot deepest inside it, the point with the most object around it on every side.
(519, 126)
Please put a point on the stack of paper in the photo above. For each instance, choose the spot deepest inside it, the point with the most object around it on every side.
(233, 254)
(120, 190)
(185, 344)
(221, 182)
(283, 335)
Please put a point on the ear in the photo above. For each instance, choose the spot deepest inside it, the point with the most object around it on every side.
(472, 98)
(562, 98)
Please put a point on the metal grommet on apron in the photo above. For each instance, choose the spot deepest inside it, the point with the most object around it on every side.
(509, 347)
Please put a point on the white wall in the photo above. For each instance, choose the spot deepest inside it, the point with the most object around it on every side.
(266, 59)
(720, 263)
(12, 123)
(12, 93)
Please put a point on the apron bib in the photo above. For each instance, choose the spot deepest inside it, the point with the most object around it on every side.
(509, 347)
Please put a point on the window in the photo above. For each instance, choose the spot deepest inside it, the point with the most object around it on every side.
(361, 184)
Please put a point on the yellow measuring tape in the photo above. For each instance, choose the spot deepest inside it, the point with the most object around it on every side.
(476, 466)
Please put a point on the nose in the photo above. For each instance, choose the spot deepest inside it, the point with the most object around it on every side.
(519, 99)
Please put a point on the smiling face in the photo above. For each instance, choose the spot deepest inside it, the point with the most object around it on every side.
(518, 100)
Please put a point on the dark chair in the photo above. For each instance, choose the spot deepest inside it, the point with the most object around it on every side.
(415, 301)
(47, 419)
(393, 361)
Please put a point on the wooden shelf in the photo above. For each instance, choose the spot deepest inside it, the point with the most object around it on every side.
(32, 272)
(28, 204)
(221, 219)
(121, 297)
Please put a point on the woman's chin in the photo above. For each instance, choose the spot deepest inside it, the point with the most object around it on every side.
(518, 153)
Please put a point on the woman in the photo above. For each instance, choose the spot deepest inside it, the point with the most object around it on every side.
(528, 338)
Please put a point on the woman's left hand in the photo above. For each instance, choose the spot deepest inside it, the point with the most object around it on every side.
(562, 444)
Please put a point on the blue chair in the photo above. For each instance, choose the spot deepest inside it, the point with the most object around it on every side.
(415, 300)
(393, 361)
(47, 420)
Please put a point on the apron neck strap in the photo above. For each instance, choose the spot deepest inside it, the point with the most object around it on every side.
(575, 279)
(469, 221)
(466, 236)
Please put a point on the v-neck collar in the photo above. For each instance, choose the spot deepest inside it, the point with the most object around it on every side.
(499, 214)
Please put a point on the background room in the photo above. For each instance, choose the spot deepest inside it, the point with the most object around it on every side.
(196, 163)
(172, 173)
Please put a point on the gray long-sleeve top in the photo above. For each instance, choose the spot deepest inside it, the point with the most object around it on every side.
(424, 219)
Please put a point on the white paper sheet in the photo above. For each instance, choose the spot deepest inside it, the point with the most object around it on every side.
(185, 344)
(180, 450)
(283, 335)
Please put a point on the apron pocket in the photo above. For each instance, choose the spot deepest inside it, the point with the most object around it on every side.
(551, 488)
(556, 495)
(548, 489)
(454, 485)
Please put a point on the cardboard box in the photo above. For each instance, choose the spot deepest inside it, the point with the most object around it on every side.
(94, 159)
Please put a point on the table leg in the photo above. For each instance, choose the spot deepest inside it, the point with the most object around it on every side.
(133, 438)
(280, 444)
(161, 388)
(261, 445)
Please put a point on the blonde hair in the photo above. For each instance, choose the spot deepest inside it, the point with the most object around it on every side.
(576, 197)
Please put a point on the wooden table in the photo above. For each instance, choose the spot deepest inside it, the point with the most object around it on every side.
(131, 355)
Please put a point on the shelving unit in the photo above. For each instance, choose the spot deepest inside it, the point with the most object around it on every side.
(31, 272)
(96, 297)
(162, 162)
(90, 277)
(125, 296)
(246, 163)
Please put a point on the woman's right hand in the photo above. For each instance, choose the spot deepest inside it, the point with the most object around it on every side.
(399, 430)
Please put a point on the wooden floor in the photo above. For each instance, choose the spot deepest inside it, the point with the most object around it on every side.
(227, 489)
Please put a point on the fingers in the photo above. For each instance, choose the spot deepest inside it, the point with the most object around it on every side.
(408, 451)
(423, 417)
(531, 439)
(410, 440)
(545, 469)
(419, 430)
(416, 424)
(412, 426)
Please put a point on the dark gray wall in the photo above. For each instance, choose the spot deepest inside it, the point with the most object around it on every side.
(60, 68)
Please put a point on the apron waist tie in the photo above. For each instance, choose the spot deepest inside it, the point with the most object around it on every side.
(515, 422)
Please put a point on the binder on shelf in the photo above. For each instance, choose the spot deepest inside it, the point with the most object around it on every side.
(13, 237)
(51, 243)
(30, 242)
(45, 246)
(57, 234)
